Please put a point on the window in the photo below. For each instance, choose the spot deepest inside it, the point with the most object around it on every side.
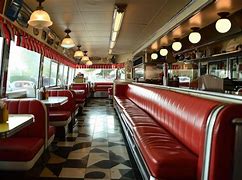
(65, 75)
(121, 73)
(60, 75)
(23, 70)
(71, 75)
(46, 72)
(53, 74)
(49, 72)
(98, 75)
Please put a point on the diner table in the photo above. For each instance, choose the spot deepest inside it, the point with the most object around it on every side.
(15, 123)
(54, 101)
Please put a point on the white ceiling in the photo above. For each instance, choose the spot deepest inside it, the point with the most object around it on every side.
(90, 21)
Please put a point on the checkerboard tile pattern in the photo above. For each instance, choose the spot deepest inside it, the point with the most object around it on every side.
(95, 149)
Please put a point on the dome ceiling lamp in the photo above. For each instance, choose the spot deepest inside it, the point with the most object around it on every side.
(78, 53)
(223, 24)
(39, 18)
(85, 58)
(194, 37)
(89, 63)
(176, 45)
(154, 56)
(163, 51)
(67, 42)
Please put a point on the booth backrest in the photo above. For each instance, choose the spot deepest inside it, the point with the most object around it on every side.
(80, 86)
(102, 86)
(34, 107)
(69, 105)
(185, 117)
(176, 112)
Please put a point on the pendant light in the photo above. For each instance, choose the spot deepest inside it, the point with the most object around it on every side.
(78, 53)
(223, 25)
(89, 63)
(67, 42)
(194, 36)
(163, 51)
(154, 56)
(85, 58)
(176, 45)
(39, 18)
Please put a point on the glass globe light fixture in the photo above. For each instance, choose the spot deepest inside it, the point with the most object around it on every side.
(176, 45)
(78, 53)
(85, 58)
(154, 56)
(163, 51)
(223, 24)
(194, 37)
(89, 63)
(67, 42)
(39, 18)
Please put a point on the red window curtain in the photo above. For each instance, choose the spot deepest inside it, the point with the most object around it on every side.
(5, 31)
(9, 31)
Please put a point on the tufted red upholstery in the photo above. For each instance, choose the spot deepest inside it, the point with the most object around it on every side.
(27, 143)
(35, 107)
(59, 115)
(178, 133)
(81, 86)
(223, 143)
(68, 106)
(154, 141)
(79, 97)
(19, 148)
(176, 112)
(102, 86)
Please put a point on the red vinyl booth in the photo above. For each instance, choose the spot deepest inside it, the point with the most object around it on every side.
(22, 150)
(81, 86)
(168, 131)
(101, 87)
(62, 115)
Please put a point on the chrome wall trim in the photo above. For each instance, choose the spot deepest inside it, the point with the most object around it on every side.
(208, 141)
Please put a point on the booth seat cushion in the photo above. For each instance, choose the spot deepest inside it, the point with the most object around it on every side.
(59, 115)
(124, 103)
(20, 149)
(165, 156)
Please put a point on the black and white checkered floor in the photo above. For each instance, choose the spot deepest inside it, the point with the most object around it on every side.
(95, 149)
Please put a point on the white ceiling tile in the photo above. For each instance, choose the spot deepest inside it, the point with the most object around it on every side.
(98, 26)
(95, 5)
(91, 21)
(97, 17)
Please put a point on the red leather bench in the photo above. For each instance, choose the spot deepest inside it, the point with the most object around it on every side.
(22, 150)
(61, 116)
(101, 87)
(81, 86)
(174, 135)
